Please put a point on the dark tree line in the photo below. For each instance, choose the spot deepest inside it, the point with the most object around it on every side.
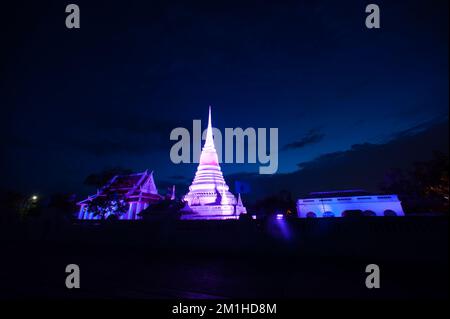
(17, 207)
(281, 202)
(100, 179)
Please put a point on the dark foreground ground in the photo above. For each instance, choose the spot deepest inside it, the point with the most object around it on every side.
(233, 259)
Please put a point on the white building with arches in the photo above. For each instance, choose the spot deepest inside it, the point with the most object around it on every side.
(348, 203)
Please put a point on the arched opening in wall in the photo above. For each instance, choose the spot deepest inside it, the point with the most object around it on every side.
(352, 213)
(369, 213)
(328, 214)
(389, 212)
(311, 215)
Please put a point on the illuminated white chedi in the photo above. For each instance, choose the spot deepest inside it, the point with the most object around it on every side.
(209, 196)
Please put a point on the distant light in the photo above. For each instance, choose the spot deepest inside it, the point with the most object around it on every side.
(253, 216)
(280, 216)
(34, 197)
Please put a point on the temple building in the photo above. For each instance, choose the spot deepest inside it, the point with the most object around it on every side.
(209, 196)
(138, 190)
(348, 203)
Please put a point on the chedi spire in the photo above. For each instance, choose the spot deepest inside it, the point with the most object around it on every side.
(209, 196)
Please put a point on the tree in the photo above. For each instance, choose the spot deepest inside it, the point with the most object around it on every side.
(425, 188)
(108, 205)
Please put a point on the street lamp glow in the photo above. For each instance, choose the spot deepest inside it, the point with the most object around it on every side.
(34, 197)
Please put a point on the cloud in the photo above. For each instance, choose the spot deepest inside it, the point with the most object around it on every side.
(312, 137)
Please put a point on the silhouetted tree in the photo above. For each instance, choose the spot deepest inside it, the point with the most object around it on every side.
(107, 205)
(281, 202)
(63, 206)
(432, 176)
(164, 208)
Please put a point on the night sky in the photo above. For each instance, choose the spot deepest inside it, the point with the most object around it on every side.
(349, 102)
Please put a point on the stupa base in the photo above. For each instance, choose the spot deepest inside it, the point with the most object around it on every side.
(212, 212)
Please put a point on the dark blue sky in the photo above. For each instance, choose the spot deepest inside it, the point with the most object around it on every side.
(108, 94)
